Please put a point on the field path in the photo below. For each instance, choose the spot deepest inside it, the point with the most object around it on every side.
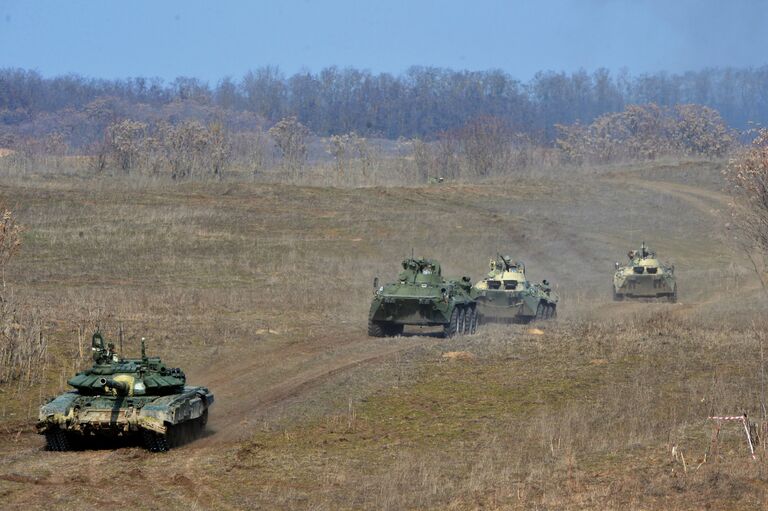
(242, 399)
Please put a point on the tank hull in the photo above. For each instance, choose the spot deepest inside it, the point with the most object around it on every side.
(81, 416)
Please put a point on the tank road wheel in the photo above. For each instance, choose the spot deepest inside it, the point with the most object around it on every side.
(541, 312)
(474, 317)
(375, 329)
(58, 440)
(449, 330)
(461, 323)
(394, 329)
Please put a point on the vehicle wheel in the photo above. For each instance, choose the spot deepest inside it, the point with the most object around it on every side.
(468, 313)
(57, 440)
(449, 330)
(540, 312)
(395, 330)
(375, 329)
(474, 319)
(461, 324)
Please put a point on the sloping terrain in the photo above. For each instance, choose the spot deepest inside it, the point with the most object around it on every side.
(261, 292)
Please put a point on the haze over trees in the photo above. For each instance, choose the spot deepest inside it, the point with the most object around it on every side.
(421, 102)
(442, 123)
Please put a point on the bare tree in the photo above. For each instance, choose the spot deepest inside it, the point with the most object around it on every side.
(290, 137)
(10, 240)
(338, 147)
(124, 140)
(424, 158)
(221, 148)
(486, 145)
(747, 176)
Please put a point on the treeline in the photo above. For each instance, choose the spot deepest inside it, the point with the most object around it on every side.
(422, 102)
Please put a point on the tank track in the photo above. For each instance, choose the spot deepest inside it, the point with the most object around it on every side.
(58, 440)
(176, 435)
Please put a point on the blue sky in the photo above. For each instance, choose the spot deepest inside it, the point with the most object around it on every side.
(213, 39)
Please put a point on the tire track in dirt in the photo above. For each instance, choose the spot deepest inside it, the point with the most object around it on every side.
(696, 197)
(239, 407)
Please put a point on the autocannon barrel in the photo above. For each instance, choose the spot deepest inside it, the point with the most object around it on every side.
(119, 386)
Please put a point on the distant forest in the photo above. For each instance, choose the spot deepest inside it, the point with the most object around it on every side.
(421, 102)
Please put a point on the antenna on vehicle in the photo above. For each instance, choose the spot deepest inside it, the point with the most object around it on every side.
(120, 337)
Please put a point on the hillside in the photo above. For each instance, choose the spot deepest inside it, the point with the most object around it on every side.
(261, 291)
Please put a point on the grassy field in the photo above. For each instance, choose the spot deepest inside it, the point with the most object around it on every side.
(261, 292)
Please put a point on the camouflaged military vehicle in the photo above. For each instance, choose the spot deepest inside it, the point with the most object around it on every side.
(644, 276)
(506, 295)
(120, 397)
(422, 297)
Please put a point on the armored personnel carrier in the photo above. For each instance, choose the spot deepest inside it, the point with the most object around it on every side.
(422, 297)
(644, 276)
(506, 295)
(120, 397)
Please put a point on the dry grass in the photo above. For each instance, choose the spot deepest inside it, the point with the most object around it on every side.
(270, 283)
(583, 417)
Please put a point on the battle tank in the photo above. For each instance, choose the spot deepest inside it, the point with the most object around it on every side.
(506, 294)
(644, 276)
(121, 397)
(421, 296)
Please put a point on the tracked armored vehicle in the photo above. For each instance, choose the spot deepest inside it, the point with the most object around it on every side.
(421, 296)
(121, 397)
(644, 276)
(506, 294)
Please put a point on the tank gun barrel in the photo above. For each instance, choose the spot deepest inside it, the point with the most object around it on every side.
(120, 386)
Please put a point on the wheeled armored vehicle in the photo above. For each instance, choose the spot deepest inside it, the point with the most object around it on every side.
(644, 276)
(506, 294)
(121, 397)
(421, 296)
